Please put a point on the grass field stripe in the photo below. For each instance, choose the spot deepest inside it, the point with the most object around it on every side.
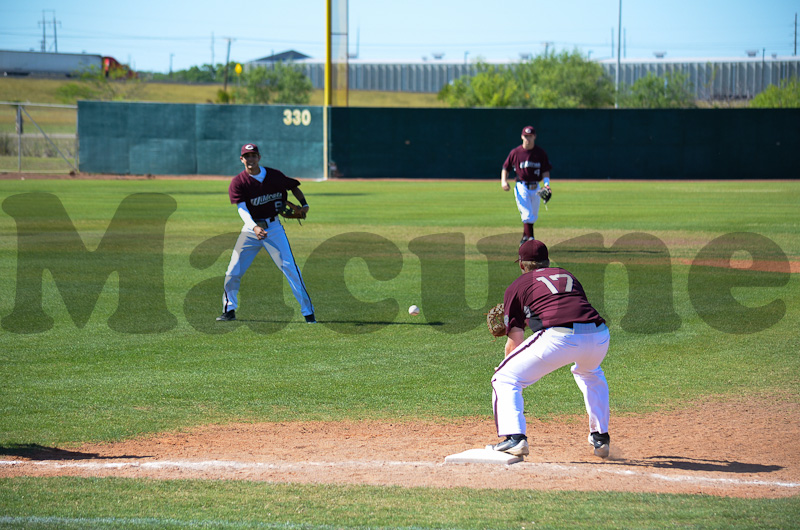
(209, 465)
(153, 522)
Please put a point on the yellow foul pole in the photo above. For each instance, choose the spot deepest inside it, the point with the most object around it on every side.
(327, 91)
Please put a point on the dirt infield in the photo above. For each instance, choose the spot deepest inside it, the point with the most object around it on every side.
(743, 448)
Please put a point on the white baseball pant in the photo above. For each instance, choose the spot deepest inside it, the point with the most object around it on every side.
(277, 246)
(527, 202)
(545, 351)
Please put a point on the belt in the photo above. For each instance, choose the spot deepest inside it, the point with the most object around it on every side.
(263, 223)
(530, 185)
(579, 328)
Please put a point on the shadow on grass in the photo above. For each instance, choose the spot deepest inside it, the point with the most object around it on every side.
(607, 251)
(348, 322)
(40, 452)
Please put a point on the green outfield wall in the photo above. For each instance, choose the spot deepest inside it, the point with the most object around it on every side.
(177, 139)
(188, 139)
(581, 144)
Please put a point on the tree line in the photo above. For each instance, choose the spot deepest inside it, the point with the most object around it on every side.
(567, 80)
(283, 83)
(551, 80)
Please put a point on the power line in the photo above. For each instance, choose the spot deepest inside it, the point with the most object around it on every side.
(100, 36)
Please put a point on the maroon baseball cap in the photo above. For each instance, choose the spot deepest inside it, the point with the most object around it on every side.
(528, 129)
(533, 250)
(250, 148)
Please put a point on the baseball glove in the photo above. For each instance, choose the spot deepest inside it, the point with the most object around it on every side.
(292, 211)
(545, 193)
(496, 321)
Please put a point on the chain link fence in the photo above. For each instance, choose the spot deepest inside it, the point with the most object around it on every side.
(38, 138)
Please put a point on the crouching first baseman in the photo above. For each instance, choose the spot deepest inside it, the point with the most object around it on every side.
(260, 194)
(566, 329)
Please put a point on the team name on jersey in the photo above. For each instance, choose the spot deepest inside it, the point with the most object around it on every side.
(264, 199)
(529, 163)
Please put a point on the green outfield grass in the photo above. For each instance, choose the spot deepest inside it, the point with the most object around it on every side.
(50, 165)
(368, 251)
(70, 503)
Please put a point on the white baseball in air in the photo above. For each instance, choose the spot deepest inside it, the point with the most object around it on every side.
(413, 310)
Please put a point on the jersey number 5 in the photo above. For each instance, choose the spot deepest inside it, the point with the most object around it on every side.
(555, 277)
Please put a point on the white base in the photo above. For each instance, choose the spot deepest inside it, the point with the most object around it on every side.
(482, 456)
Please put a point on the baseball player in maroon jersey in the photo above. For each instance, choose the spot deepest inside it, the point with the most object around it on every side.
(532, 167)
(259, 194)
(566, 329)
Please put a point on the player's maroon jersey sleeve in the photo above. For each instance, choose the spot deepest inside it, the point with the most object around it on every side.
(290, 183)
(510, 164)
(236, 189)
(513, 307)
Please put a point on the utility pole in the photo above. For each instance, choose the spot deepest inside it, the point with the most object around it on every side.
(227, 60)
(795, 35)
(44, 24)
(612, 42)
(55, 35)
(44, 29)
(212, 50)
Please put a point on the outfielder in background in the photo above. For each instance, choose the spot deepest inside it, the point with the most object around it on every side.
(260, 195)
(532, 168)
(566, 329)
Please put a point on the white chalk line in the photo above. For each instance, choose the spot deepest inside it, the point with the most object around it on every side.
(689, 478)
(232, 465)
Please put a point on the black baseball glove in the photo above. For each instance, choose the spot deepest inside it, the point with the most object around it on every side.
(545, 193)
(292, 211)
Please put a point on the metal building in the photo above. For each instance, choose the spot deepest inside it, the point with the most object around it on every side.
(713, 78)
(719, 78)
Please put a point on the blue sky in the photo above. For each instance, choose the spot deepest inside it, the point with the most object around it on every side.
(152, 35)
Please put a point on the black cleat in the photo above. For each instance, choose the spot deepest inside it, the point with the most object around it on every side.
(601, 443)
(310, 319)
(227, 315)
(511, 446)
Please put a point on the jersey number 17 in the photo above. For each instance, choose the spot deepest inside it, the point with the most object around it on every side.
(555, 277)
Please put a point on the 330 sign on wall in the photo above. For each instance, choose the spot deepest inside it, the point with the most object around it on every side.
(296, 117)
